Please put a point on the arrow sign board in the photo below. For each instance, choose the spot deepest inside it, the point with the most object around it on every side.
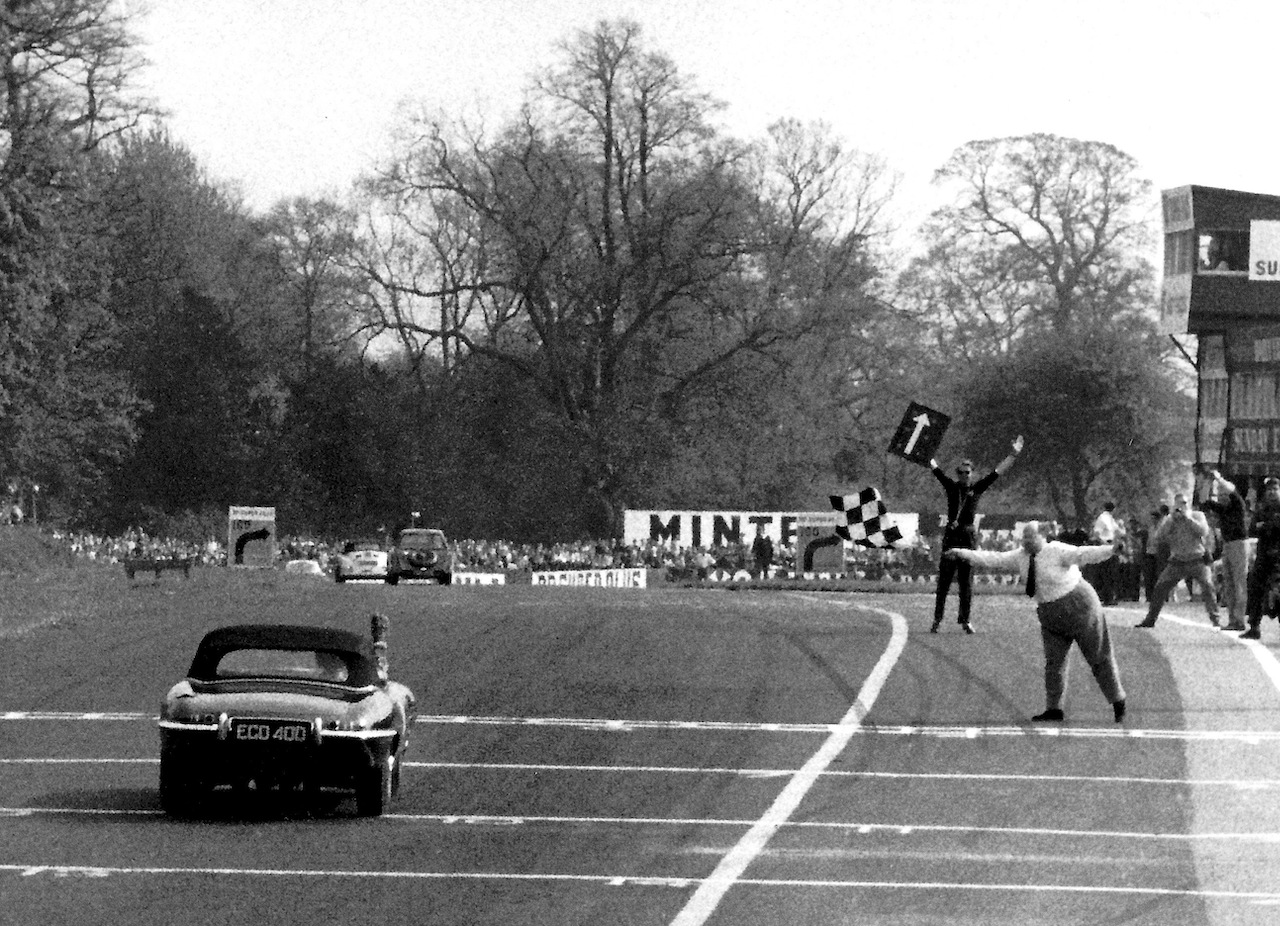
(251, 536)
(919, 434)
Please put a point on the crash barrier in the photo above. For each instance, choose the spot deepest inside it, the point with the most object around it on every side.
(479, 578)
(137, 564)
(598, 578)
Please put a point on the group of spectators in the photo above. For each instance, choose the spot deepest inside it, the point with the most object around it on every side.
(137, 544)
(729, 560)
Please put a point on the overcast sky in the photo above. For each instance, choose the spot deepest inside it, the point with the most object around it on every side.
(292, 97)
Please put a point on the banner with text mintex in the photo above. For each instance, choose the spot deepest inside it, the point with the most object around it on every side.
(251, 536)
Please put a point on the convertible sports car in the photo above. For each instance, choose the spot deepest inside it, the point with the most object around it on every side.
(361, 559)
(287, 711)
(421, 554)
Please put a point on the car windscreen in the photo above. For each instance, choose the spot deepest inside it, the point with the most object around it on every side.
(422, 542)
(309, 665)
(362, 546)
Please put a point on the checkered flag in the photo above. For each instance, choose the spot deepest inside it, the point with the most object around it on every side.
(867, 521)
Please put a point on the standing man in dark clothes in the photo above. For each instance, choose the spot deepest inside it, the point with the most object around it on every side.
(1106, 574)
(1227, 505)
(762, 552)
(960, 532)
(1264, 577)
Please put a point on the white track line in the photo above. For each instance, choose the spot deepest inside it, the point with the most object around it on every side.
(1266, 659)
(1251, 737)
(106, 871)
(861, 829)
(1243, 784)
(731, 868)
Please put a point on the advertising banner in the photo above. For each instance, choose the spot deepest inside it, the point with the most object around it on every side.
(683, 529)
(1264, 251)
(595, 578)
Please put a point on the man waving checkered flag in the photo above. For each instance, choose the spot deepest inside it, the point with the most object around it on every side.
(867, 521)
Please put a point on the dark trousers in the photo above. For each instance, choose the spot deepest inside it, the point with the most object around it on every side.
(1077, 618)
(962, 572)
(1150, 572)
(1264, 578)
(1107, 580)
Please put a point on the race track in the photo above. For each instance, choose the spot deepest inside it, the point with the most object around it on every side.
(587, 756)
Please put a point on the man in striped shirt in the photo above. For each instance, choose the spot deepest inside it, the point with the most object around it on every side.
(1068, 610)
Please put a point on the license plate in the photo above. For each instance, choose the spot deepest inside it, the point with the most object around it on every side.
(270, 731)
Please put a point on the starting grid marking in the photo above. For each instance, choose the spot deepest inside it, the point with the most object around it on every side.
(1250, 737)
(99, 871)
(1250, 784)
(849, 827)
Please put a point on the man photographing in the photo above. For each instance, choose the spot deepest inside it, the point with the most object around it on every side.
(1187, 535)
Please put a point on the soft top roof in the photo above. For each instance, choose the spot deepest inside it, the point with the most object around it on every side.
(356, 650)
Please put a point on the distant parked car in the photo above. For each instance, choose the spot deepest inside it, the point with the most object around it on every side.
(361, 559)
(285, 710)
(421, 554)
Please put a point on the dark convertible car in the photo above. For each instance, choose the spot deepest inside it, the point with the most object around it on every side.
(285, 710)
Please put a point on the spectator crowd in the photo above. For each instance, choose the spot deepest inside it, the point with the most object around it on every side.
(1131, 576)
(729, 560)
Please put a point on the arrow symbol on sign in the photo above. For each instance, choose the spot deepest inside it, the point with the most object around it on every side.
(922, 422)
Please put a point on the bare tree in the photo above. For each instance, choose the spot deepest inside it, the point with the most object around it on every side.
(614, 251)
(1043, 231)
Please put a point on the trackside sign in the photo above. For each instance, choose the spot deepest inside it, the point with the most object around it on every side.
(1264, 250)
(599, 578)
(251, 536)
(717, 528)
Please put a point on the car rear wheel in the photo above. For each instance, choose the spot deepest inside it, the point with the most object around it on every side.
(374, 789)
(444, 578)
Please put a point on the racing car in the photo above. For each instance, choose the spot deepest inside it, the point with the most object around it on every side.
(421, 554)
(361, 559)
(285, 711)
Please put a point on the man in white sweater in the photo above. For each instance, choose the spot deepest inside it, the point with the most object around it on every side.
(1068, 610)
(1187, 534)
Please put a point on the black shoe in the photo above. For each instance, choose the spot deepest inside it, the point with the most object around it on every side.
(934, 627)
(1253, 633)
(1118, 707)
(1052, 713)
(968, 628)
(1146, 624)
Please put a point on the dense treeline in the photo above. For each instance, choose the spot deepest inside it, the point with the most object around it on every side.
(603, 303)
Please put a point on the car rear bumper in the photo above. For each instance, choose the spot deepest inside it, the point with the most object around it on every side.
(334, 758)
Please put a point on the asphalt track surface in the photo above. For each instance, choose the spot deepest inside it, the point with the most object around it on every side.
(588, 756)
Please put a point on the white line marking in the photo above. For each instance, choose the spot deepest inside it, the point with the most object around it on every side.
(1251, 737)
(731, 868)
(863, 829)
(1266, 659)
(1109, 732)
(1244, 784)
(101, 871)
(1260, 784)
